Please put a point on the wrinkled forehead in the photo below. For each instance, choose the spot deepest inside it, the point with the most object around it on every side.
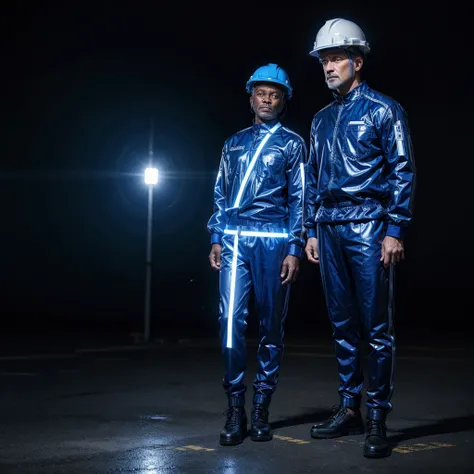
(328, 53)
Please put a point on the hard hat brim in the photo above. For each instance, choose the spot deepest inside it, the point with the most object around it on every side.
(284, 87)
(316, 52)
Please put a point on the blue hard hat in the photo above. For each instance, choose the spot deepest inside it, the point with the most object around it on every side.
(270, 73)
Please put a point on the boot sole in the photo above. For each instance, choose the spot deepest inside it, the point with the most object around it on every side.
(225, 442)
(233, 442)
(261, 438)
(376, 455)
(338, 434)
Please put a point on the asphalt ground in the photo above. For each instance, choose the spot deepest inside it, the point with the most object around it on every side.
(100, 407)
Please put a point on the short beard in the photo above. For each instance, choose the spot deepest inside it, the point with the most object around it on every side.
(267, 117)
(334, 84)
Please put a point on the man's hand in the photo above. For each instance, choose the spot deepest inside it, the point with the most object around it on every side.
(393, 251)
(311, 250)
(289, 269)
(215, 256)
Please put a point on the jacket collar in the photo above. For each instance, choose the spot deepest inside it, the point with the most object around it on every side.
(354, 94)
(263, 127)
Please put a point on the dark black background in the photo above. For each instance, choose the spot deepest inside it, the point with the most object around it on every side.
(80, 82)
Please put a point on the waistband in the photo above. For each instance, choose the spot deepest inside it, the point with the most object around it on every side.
(366, 203)
(245, 231)
(238, 221)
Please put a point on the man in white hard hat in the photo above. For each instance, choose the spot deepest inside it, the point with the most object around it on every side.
(361, 181)
(257, 240)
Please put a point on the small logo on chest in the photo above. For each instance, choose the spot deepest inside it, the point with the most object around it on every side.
(269, 159)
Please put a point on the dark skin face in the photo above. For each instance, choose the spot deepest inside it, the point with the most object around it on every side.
(267, 101)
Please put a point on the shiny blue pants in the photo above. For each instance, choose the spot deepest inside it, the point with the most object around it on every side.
(252, 263)
(359, 294)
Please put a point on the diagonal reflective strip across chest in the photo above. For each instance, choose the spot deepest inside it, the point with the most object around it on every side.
(252, 164)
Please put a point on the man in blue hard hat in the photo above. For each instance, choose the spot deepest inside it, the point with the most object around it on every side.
(257, 240)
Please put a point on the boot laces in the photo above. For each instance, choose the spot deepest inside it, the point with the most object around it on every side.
(337, 412)
(260, 413)
(376, 428)
(233, 416)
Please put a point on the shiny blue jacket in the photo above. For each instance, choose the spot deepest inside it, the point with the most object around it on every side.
(275, 189)
(361, 164)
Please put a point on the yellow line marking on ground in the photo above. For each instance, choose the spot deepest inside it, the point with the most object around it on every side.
(193, 447)
(414, 448)
(402, 449)
(406, 448)
(291, 440)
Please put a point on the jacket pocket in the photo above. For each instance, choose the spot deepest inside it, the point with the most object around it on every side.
(359, 138)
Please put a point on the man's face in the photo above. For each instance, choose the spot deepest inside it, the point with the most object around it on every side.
(337, 69)
(267, 101)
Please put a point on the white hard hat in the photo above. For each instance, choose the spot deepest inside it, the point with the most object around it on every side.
(339, 33)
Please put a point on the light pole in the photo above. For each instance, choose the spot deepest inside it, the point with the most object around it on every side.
(151, 178)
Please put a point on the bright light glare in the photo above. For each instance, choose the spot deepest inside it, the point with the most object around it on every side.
(151, 175)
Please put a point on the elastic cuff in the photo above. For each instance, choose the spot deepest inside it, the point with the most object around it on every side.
(236, 401)
(353, 403)
(216, 238)
(395, 231)
(295, 250)
(261, 400)
(379, 415)
(312, 233)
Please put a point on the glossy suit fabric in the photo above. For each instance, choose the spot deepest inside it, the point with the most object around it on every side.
(360, 186)
(258, 220)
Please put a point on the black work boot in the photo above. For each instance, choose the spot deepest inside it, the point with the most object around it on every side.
(341, 423)
(235, 427)
(260, 428)
(376, 442)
